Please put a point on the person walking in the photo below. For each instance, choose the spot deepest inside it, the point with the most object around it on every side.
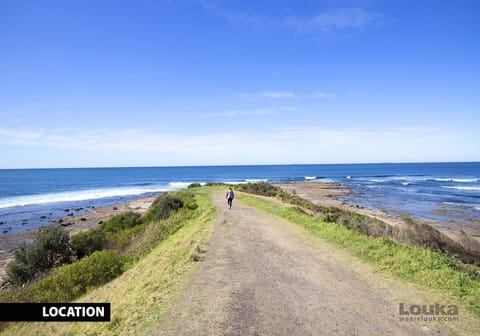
(230, 195)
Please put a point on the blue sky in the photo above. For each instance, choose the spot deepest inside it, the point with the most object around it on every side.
(152, 83)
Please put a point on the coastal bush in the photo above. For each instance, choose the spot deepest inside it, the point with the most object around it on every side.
(188, 199)
(194, 185)
(50, 247)
(70, 281)
(156, 231)
(163, 207)
(121, 222)
(216, 184)
(87, 242)
(121, 239)
(259, 188)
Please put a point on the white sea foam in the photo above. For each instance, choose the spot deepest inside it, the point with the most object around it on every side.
(310, 177)
(462, 188)
(233, 182)
(83, 195)
(327, 180)
(179, 185)
(455, 180)
(256, 180)
(452, 203)
(463, 205)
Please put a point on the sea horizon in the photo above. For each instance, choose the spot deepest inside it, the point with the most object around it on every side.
(243, 165)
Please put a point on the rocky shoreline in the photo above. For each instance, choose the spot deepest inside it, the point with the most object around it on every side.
(73, 224)
(325, 193)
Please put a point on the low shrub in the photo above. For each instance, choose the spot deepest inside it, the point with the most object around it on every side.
(163, 207)
(194, 185)
(188, 200)
(121, 222)
(87, 242)
(50, 247)
(121, 239)
(216, 184)
(70, 281)
(157, 231)
(259, 188)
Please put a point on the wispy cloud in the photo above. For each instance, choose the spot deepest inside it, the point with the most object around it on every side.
(285, 145)
(324, 22)
(319, 94)
(284, 95)
(278, 94)
(232, 16)
(339, 19)
(252, 112)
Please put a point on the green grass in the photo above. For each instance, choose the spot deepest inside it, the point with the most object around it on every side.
(143, 294)
(427, 269)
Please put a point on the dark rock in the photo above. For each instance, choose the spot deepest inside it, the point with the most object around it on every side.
(70, 214)
(78, 209)
(115, 208)
(66, 210)
(67, 224)
(83, 219)
(1, 223)
(101, 222)
(7, 229)
(60, 221)
(43, 217)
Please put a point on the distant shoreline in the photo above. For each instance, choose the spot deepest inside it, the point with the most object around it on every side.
(326, 193)
(73, 224)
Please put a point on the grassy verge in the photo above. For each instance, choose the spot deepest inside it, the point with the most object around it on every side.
(463, 248)
(425, 268)
(141, 295)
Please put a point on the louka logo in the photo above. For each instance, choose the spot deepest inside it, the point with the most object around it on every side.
(432, 309)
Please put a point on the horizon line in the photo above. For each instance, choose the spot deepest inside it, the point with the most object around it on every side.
(243, 165)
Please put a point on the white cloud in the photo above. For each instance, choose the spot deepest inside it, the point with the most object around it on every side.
(252, 112)
(325, 22)
(278, 94)
(287, 145)
(344, 18)
(319, 94)
(283, 95)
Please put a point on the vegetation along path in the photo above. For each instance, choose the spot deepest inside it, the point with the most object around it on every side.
(260, 278)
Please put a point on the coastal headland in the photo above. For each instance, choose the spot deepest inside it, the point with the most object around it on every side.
(272, 265)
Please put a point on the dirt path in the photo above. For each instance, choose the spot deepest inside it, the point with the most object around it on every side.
(259, 279)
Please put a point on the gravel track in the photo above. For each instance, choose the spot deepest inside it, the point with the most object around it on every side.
(257, 278)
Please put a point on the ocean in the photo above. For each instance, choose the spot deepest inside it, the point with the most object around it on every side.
(445, 193)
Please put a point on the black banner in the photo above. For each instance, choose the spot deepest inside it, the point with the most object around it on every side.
(59, 312)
